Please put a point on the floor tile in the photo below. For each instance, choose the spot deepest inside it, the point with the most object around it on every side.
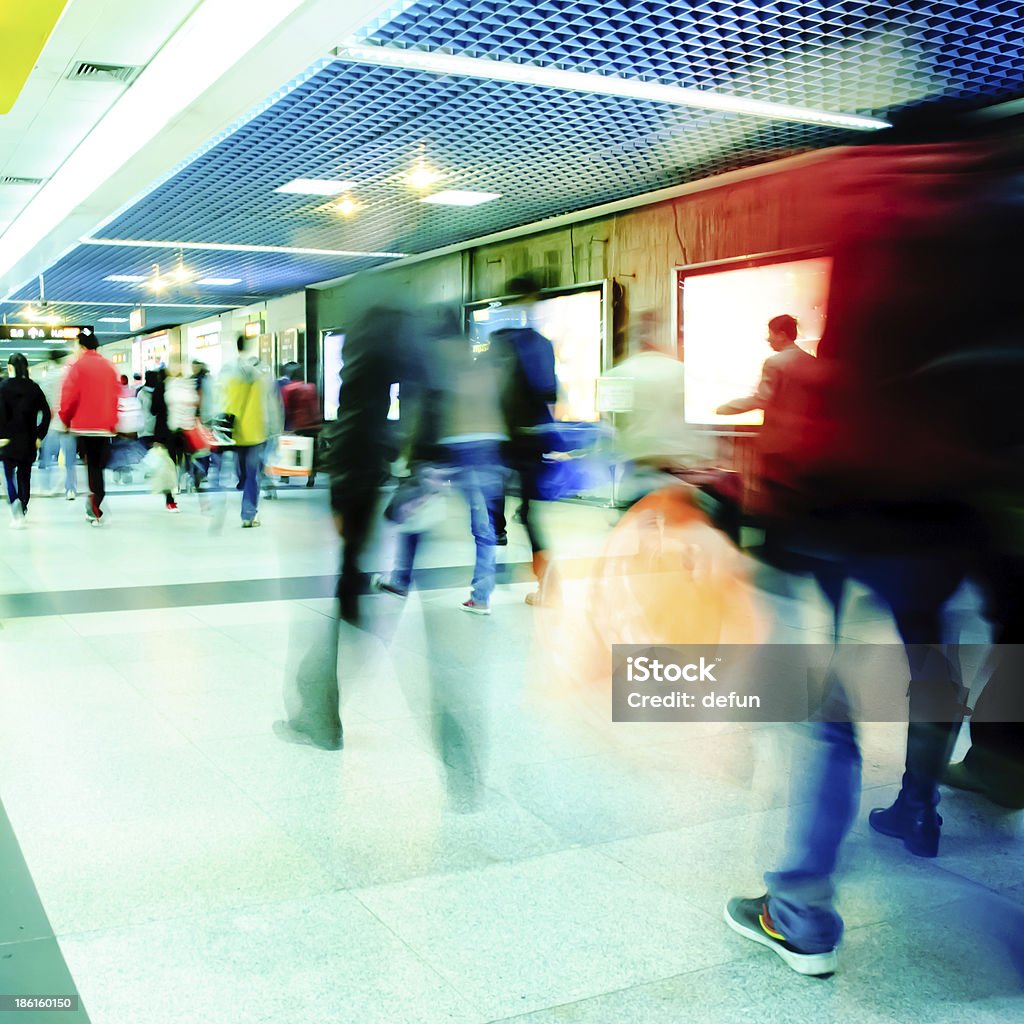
(549, 930)
(320, 959)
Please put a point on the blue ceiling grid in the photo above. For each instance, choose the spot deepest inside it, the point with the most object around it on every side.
(547, 152)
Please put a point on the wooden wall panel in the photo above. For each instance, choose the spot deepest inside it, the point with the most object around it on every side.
(637, 249)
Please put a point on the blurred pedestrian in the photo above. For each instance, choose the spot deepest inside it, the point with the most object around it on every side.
(88, 407)
(869, 474)
(529, 393)
(302, 414)
(250, 399)
(58, 444)
(24, 421)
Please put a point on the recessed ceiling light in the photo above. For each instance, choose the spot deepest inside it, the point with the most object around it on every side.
(218, 281)
(315, 187)
(348, 207)
(423, 176)
(456, 197)
(113, 320)
(125, 278)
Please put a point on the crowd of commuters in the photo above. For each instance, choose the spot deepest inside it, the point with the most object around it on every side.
(875, 466)
(82, 409)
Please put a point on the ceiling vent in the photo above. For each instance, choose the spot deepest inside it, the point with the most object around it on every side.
(6, 179)
(86, 71)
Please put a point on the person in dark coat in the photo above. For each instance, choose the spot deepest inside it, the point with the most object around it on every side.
(24, 421)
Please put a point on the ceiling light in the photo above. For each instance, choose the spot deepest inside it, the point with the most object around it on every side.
(52, 319)
(156, 283)
(125, 278)
(220, 281)
(315, 187)
(113, 320)
(457, 197)
(30, 313)
(591, 82)
(348, 207)
(423, 176)
(180, 274)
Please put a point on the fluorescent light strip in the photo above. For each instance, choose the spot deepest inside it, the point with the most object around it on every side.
(458, 197)
(125, 305)
(286, 250)
(220, 282)
(314, 187)
(605, 85)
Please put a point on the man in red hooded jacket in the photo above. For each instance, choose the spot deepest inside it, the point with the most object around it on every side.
(88, 407)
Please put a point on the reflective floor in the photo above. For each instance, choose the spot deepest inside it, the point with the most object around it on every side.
(192, 867)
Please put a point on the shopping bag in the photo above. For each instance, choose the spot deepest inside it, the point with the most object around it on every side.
(199, 440)
(160, 470)
(664, 576)
(129, 415)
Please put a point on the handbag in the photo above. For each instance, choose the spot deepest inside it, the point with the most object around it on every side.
(417, 500)
(199, 440)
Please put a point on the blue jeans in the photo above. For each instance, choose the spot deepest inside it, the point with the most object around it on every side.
(250, 468)
(827, 790)
(477, 473)
(249, 461)
(54, 442)
(405, 558)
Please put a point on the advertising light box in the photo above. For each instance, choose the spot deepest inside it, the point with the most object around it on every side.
(723, 318)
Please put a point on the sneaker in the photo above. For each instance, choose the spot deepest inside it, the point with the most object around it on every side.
(501, 540)
(70, 495)
(248, 524)
(291, 732)
(751, 919)
(172, 506)
(17, 516)
(918, 825)
(379, 583)
(476, 607)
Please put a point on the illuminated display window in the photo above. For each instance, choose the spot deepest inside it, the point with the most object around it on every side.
(575, 325)
(723, 317)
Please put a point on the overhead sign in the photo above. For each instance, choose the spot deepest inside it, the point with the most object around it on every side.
(137, 319)
(41, 332)
(254, 328)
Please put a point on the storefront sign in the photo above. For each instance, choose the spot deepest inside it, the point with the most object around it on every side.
(137, 319)
(41, 332)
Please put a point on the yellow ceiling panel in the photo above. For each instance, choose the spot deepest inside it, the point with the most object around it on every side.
(25, 25)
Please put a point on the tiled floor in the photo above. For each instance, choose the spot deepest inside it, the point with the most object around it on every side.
(194, 868)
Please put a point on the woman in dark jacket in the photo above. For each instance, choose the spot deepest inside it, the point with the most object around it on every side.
(24, 421)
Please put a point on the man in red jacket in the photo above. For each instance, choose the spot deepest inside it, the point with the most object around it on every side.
(88, 407)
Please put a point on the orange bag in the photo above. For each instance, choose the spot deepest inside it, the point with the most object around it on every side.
(665, 576)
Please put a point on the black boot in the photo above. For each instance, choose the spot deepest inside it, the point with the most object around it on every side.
(916, 822)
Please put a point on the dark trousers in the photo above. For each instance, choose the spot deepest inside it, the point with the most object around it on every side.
(996, 754)
(18, 476)
(95, 452)
(526, 464)
(356, 505)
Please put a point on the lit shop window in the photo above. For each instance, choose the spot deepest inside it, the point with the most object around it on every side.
(723, 323)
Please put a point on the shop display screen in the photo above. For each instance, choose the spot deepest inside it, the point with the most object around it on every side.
(574, 323)
(723, 318)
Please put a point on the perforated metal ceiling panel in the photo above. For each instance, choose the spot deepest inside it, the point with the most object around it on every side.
(867, 57)
(546, 152)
